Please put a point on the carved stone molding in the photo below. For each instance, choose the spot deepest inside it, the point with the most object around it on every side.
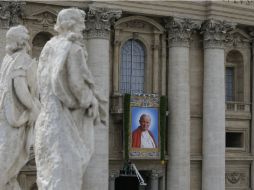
(180, 30)
(11, 13)
(99, 21)
(214, 32)
(234, 177)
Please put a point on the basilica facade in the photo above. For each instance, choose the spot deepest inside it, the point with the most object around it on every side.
(197, 54)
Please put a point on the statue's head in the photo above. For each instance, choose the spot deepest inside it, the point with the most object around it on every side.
(17, 38)
(70, 20)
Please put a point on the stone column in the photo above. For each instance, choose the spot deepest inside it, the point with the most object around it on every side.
(154, 181)
(213, 164)
(98, 33)
(178, 169)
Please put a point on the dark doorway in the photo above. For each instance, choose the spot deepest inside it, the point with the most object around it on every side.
(127, 183)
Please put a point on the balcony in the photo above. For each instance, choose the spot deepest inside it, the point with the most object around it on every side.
(238, 107)
(238, 110)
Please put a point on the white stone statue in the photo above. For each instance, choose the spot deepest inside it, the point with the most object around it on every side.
(18, 106)
(64, 132)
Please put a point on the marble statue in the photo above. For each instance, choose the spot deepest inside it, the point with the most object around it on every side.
(19, 106)
(64, 132)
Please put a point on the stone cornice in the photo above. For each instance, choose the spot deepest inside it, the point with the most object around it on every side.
(180, 30)
(232, 12)
(11, 13)
(99, 21)
(214, 32)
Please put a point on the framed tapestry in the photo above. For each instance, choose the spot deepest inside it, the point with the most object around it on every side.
(142, 123)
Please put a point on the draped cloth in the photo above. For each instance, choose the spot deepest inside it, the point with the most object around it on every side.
(64, 132)
(16, 131)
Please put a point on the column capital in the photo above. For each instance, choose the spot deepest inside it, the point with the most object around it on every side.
(214, 32)
(99, 21)
(11, 13)
(180, 30)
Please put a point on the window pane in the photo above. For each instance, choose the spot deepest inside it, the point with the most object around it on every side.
(132, 67)
(229, 84)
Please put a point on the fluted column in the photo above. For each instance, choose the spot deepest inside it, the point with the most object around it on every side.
(179, 32)
(213, 164)
(98, 26)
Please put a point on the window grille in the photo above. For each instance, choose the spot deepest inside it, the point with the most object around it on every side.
(229, 79)
(132, 67)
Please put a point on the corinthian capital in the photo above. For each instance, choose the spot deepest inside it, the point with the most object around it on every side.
(11, 13)
(180, 30)
(99, 21)
(214, 32)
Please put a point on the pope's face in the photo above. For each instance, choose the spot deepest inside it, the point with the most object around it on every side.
(145, 123)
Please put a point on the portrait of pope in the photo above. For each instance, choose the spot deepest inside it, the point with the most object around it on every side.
(144, 128)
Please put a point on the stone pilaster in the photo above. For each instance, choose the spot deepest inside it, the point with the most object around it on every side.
(252, 120)
(179, 33)
(213, 168)
(156, 63)
(98, 25)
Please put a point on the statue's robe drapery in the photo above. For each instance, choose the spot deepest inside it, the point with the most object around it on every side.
(16, 131)
(64, 131)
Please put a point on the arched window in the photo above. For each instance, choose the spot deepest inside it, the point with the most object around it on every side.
(132, 67)
(39, 41)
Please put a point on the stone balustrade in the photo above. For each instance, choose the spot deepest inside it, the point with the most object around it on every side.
(238, 106)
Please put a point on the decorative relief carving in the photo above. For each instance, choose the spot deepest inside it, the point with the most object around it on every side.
(99, 21)
(180, 30)
(235, 177)
(11, 13)
(214, 32)
(135, 24)
(237, 39)
(242, 2)
(45, 18)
